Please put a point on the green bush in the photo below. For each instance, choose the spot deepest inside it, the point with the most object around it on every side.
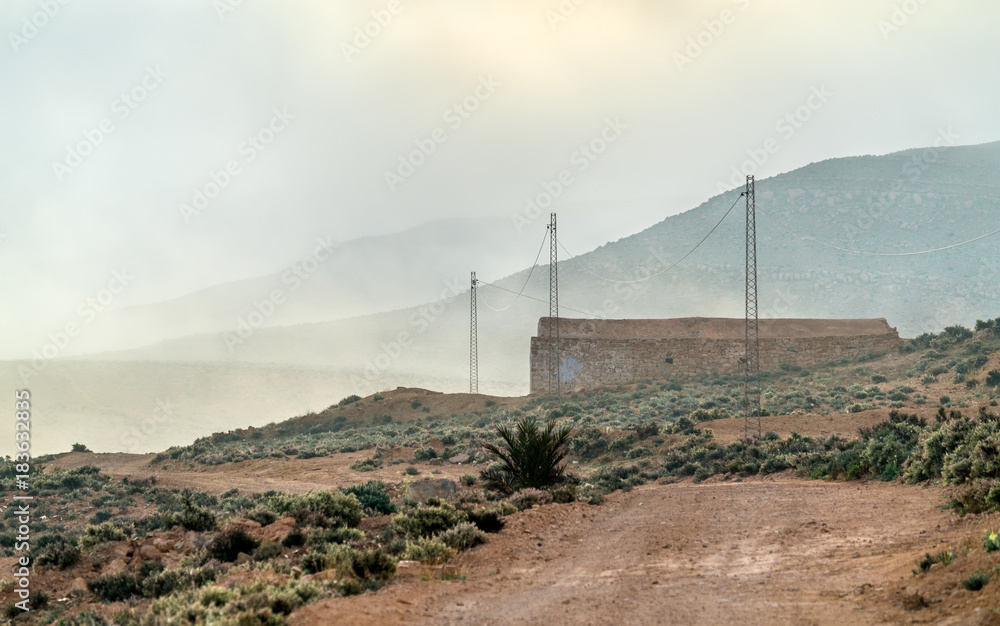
(529, 457)
(61, 554)
(977, 581)
(230, 543)
(351, 399)
(428, 521)
(424, 454)
(463, 536)
(366, 465)
(487, 520)
(114, 587)
(79, 447)
(108, 531)
(192, 517)
(267, 552)
(333, 507)
(428, 551)
(335, 536)
(373, 497)
(262, 517)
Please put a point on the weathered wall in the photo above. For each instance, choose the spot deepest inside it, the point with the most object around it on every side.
(601, 353)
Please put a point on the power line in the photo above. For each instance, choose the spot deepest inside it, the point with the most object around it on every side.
(483, 282)
(751, 354)
(864, 253)
(533, 266)
(678, 262)
(553, 306)
(473, 338)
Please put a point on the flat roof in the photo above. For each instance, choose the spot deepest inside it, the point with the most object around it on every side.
(713, 328)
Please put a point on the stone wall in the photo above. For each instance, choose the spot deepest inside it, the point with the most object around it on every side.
(598, 353)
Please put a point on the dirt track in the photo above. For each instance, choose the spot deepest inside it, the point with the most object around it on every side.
(777, 551)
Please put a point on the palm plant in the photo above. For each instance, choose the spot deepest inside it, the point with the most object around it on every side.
(530, 456)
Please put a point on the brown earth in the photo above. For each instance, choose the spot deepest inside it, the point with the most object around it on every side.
(770, 551)
(776, 550)
(810, 425)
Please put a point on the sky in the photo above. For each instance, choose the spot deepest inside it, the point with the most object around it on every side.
(151, 149)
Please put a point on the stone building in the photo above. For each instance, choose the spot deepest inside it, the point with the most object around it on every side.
(599, 353)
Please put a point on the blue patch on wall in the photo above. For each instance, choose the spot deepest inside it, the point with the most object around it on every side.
(568, 369)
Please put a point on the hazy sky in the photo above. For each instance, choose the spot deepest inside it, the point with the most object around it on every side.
(117, 113)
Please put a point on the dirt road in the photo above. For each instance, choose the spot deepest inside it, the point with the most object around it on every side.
(772, 551)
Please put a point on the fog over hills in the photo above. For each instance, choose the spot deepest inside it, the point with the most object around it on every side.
(913, 201)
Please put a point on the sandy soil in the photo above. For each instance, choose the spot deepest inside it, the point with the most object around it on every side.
(772, 551)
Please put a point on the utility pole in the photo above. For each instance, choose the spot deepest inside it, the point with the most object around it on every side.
(751, 357)
(553, 308)
(473, 338)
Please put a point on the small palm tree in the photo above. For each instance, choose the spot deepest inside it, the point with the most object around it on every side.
(529, 457)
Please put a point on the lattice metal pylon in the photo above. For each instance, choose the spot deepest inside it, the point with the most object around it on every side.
(553, 308)
(473, 338)
(751, 356)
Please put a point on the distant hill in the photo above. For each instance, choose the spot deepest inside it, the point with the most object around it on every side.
(349, 279)
(909, 201)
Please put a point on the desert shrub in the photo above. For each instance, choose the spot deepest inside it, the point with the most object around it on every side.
(411, 471)
(161, 583)
(373, 497)
(976, 581)
(372, 564)
(62, 554)
(295, 537)
(108, 531)
(527, 498)
(588, 443)
(463, 536)
(341, 534)
(530, 456)
(267, 552)
(945, 558)
(79, 447)
(957, 449)
(428, 551)
(468, 480)
(192, 517)
(424, 454)
(486, 520)
(992, 541)
(262, 516)
(230, 543)
(332, 508)
(114, 587)
(428, 521)
(366, 465)
(351, 399)
(993, 378)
